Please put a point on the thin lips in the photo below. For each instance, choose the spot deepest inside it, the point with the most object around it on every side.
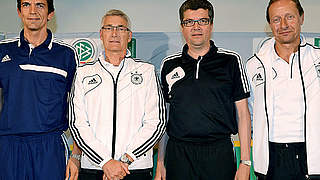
(33, 18)
(196, 34)
(114, 41)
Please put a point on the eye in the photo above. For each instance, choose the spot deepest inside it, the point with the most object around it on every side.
(204, 21)
(122, 29)
(276, 20)
(108, 28)
(189, 21)
(40, 5)
(25, 4)
(290, 17)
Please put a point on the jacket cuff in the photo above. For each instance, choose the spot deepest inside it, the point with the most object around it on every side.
(104, 162)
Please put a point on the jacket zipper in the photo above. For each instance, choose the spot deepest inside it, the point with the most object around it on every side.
(114, 132)
(305, 104)
(198, 64)
(292, 65)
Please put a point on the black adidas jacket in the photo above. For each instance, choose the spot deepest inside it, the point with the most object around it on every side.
(202, 92)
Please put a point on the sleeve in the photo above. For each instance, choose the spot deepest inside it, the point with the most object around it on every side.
(164, 84)
(250, 78)
(71, 69)
(153, 125)
(241, 88)
(1, 99)
(80, 129)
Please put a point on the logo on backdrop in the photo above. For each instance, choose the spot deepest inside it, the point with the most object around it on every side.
(86, 50)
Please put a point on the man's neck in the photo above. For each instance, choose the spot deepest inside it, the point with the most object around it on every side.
(115, 58)
(285, 50)
(36, 38)
(195, 52)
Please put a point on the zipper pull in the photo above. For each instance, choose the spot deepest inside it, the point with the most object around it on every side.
(198, 64)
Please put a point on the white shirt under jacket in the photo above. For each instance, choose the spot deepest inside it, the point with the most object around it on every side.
(260, 75)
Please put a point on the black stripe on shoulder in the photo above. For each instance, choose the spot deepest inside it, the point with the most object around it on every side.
(141, 61)
(314, 47)
(253, 56)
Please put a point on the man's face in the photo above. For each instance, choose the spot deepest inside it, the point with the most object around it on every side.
(114, 39)
(197, 36)
(285, 22)
(34, 14)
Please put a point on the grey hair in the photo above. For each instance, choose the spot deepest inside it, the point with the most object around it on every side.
(116, 12)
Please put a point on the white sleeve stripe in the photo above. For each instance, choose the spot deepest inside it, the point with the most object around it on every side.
(69, 46)
(76, 135)
(31, 67)
(169, 58)
(160, 127)
(241, 68)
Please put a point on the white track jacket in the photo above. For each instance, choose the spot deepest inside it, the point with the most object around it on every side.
(260, 76)
(110, 116)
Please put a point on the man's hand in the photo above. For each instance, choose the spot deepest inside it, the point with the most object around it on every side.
(115, 170)
(160, 171)
(72, 169)
(243, 173)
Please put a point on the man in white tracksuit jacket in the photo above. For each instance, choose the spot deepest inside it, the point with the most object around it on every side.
(117, 111)
(285, 99)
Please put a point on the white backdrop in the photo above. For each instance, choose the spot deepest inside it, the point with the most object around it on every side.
(156, 15)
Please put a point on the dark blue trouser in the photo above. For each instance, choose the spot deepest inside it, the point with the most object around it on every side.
(35, 157)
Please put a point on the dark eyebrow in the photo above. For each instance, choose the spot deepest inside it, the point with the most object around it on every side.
(25, 3)
(40, 4)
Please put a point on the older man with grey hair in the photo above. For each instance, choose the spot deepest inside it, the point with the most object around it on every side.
(117, 109)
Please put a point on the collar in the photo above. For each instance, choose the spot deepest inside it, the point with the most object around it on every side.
(187, 58)
(102, 57)
(268, 44)
(22, 42)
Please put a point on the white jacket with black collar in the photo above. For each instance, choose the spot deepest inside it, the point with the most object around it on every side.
(259, 69)
(113, 115)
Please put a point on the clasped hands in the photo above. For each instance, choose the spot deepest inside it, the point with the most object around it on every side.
(115, 170)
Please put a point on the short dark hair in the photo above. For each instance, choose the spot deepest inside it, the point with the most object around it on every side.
(50, 6)
(195, 5)
(297, 2)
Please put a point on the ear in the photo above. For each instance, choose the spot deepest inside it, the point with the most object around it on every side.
(50, 16)
(19, 13)
(101, 35)
(301, 19)
(130, 36)
(211, 26)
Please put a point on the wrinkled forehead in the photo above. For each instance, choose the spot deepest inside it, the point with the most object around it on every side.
(114, 20)
(35, 1)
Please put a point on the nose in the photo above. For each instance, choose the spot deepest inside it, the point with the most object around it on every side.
(284, 23)
(114, 32)
(196, 26)
(32, 8)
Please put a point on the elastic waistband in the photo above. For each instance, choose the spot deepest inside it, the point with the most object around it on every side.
(31, 137)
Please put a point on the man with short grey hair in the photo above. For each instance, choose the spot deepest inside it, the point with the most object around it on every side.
(117, 109)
